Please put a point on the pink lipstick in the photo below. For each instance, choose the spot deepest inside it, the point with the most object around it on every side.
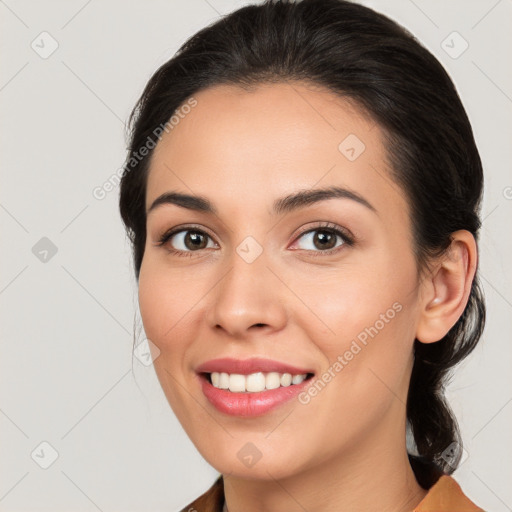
(250, 387)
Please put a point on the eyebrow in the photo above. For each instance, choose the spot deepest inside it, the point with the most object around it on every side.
(285, 204)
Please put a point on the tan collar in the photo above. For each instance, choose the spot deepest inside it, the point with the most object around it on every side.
(444, 496)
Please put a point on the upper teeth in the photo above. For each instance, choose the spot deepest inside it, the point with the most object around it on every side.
(255, 381)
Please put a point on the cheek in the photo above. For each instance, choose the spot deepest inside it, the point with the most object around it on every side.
(163, 307)
(166, 293)
(164, 302)
(152, 304)
(351, 303)
(372, 318)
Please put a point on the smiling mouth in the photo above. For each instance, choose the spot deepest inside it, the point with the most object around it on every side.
(254, 382)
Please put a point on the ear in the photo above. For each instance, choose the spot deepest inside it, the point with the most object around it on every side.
(446, 291)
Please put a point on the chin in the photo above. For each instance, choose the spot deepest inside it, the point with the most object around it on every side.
(258, 459)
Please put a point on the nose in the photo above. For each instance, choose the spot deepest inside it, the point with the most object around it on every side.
(248, 298)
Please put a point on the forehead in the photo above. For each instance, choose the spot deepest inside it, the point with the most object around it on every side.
(254, 145)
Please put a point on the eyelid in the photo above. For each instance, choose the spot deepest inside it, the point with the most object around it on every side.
(348, 239)
(167, 235)
(345, 233)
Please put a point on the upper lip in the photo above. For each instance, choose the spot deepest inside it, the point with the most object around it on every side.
(248, 366)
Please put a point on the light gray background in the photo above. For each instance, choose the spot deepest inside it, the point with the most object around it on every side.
(67, 323)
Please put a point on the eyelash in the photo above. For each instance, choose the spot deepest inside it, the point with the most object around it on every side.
(343, 233)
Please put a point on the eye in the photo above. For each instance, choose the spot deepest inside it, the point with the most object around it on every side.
(324, 239)
(184, 241)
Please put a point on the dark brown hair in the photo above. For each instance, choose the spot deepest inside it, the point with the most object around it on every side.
(364, 56)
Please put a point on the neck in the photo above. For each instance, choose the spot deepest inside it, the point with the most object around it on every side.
(375, 475)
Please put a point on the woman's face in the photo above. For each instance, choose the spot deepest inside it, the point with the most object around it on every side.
(262, 277)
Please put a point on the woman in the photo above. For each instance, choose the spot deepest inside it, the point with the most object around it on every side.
(302, 194)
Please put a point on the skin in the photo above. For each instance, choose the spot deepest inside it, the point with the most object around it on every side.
(345, 449)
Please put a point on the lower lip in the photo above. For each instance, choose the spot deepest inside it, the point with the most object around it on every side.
(249, 404)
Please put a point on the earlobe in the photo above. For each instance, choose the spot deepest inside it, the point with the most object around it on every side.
(446, 291)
